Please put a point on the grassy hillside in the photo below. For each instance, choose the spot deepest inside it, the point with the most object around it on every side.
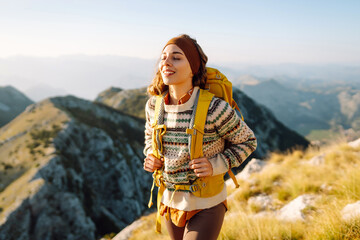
(334, 183)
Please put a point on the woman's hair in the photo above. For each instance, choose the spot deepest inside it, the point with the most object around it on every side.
(157, 87)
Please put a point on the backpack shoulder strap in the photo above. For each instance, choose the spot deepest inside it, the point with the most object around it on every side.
(158, 126)
(196, 130)
(157, 107)
(159, 130)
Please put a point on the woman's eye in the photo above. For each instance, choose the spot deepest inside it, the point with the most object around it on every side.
(173, 58)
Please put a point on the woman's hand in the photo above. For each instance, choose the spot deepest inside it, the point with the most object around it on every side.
(202, 167)
(152, 163)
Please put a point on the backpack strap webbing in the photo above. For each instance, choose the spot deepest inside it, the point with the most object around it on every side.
(159, 130)
(196, 129)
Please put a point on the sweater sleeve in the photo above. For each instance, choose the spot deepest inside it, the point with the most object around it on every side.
(240, 139)
(148, 128)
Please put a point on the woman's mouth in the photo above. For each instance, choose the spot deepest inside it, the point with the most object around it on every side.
(168, 73)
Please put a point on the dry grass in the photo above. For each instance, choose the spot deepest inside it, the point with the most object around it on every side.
(286, 176)
(147, 230)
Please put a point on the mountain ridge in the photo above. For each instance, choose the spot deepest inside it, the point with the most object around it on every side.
(74, 171)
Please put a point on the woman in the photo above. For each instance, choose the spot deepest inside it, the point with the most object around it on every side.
(182, 71)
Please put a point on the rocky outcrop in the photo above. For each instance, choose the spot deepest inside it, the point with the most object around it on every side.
(351, 211)
(12, 103)
(86, 159)
(254, 165)
(293, 211)
(262, 202)
(355, 144)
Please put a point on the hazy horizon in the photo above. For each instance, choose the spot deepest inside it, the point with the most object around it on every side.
(86, 76)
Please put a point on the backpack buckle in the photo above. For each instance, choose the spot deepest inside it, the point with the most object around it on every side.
(169, 185)
(193, 188)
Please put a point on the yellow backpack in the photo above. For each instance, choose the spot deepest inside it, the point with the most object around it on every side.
(216, 85)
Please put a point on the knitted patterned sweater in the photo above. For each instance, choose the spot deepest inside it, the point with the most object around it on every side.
(222, 123)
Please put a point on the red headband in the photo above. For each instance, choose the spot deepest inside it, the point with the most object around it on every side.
(190, 50)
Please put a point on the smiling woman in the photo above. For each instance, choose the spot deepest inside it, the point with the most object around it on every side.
(193, 207)
(175, 71)
(174, 51)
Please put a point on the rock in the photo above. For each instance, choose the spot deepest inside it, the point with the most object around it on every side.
(351, 211)
(262, 201)
(355, 144)
(255, 165)
(317, 160)
(326, 188)
(293, 210)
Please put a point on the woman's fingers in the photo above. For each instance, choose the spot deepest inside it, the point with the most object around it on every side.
(198, 165)
(202, 167)
(202, 172)
(152, 163)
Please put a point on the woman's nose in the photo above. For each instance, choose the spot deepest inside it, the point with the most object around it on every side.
(167, 61)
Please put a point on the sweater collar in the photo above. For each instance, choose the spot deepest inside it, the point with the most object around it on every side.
(185, 106)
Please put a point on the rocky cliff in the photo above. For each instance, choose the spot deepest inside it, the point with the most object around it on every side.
(71, 169)
(12, 103)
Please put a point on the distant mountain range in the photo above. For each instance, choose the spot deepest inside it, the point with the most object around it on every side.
(41, 91)
(85, 76)
(12, 103)
(305, 110)
(298, 76)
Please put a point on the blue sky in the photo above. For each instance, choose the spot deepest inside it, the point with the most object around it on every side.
(229, 31)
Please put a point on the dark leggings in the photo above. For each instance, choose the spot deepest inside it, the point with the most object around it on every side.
(205, 225)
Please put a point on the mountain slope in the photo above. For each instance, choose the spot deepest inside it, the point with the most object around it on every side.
(130, 101)
(71, 169)
(307, 110)
(12, 103)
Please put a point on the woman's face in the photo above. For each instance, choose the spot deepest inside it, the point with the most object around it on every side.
(174, 67)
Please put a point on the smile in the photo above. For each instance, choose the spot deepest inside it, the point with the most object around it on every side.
(168, 73)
